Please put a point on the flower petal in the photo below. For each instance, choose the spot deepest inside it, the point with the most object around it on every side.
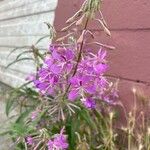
(100, 68)
(89, 103)
(73, 94)
(90, 89)
(55, 69)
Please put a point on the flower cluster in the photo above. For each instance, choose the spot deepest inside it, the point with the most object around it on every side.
(59, 142)
(86, 83)
(53, 74)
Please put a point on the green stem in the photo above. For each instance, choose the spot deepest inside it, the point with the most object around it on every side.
(78, 60)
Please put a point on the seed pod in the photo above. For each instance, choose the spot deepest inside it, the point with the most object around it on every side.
(80, 39)
(67, 27)
(63, 37)
(106, 30)
(104, 45)
(81, 20)
(77, 14)
(83, 6)
(102, 18)
(91, 34)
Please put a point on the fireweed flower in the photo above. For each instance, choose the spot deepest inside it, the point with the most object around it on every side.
(80, 85)
(62, 59)
(34, 115)
(89, 103)
(88, 83)
(29, 140)
(59, 142)
(56, 67)
(89, 79)
(111, 97)
(30, 77)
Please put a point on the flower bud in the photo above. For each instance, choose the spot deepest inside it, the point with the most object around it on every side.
(81, 21)
(80, 39)
(77, 14)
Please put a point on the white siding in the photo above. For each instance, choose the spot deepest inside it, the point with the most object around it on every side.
(22, 24)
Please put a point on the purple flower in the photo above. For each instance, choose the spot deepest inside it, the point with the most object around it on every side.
(52, 75)
(62, 54)
(81, 85)
(30, 140)
(111, 97)
(100, 68)
(63, 58)
(89, 77)
(100, 57)
(59, 142)
(57, 73)
(34, 115)
(46, 81)
(89, 103)
(30, 77)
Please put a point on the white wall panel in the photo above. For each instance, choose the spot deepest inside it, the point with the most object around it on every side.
(22, 24)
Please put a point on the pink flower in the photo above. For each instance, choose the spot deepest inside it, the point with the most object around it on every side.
(89, 103)
(59, 142)
(111, 97)
(30, 77)
(34, 115)
(30, 140)
(57, 73)
(80, 85)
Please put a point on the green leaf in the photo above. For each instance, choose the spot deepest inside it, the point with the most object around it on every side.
(39, 40)
(10, 102)
(5, 133)
(18, 56)
(71, 128)
(9, 106)
(24, 115)
(19, 129)
(17, 48)
(15, 61)
(86, 116)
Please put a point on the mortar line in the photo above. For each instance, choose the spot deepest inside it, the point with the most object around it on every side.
(127, 79)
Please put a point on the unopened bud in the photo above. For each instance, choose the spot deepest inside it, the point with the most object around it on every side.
(80, 21)
(80, 40)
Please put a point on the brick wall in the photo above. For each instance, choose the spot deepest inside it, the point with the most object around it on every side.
(130, 27)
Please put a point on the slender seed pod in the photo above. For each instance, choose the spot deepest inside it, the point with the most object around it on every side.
(81, 20)
(76, 15)
(106, 30)
(63, 38)
(80, 39)
(69, 26)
